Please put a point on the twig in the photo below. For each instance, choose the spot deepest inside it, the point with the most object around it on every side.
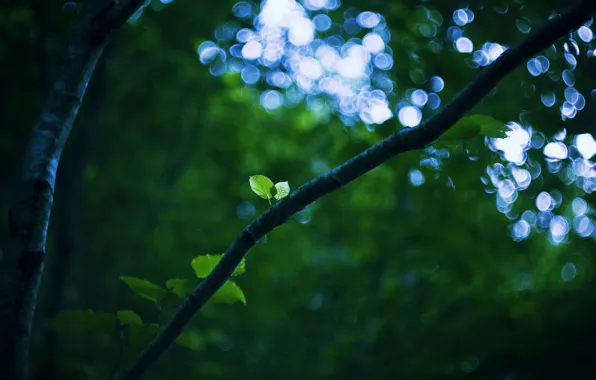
(407, 139)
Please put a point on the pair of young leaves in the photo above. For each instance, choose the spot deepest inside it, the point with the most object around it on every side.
(264, 188)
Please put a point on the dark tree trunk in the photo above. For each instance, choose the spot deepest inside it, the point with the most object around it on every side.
(69, 191)
(23, 258)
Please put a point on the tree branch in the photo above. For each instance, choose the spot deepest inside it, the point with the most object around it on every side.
(404, 140)
(22, 265)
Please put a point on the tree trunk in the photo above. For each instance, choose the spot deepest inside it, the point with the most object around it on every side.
(68, 198)
(22, 264)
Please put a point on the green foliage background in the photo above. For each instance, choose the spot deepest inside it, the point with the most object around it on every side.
(380, 279)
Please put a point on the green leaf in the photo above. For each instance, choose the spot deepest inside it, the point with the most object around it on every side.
(193, 340)
(261, 185)
(128, 318)
(86, 320)
(230, 292)
(179, 286)
(491, 127)
(204, 264)
(141, 335)
(472, 126)
(144, 288)
(282, 190)
(464, 129)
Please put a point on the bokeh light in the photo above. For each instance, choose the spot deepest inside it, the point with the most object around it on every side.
(289, 45)
(302, 55)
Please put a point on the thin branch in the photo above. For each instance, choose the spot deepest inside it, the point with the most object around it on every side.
(23, 262)
(407, 139)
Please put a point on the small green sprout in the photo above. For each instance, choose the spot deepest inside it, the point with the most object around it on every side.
(264, 188)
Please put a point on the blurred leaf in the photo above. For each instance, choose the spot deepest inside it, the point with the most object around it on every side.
(261, 185)
(492, 127)
(85, 319)
(144, 288)
(282, 190)
(230, 292)
(141, 335)
(128, 317)
(204, 264)
(179, 286)
(472, 126)
(464, 129)
(193, 340)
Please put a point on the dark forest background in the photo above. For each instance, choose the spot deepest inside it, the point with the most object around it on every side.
(473, 262)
